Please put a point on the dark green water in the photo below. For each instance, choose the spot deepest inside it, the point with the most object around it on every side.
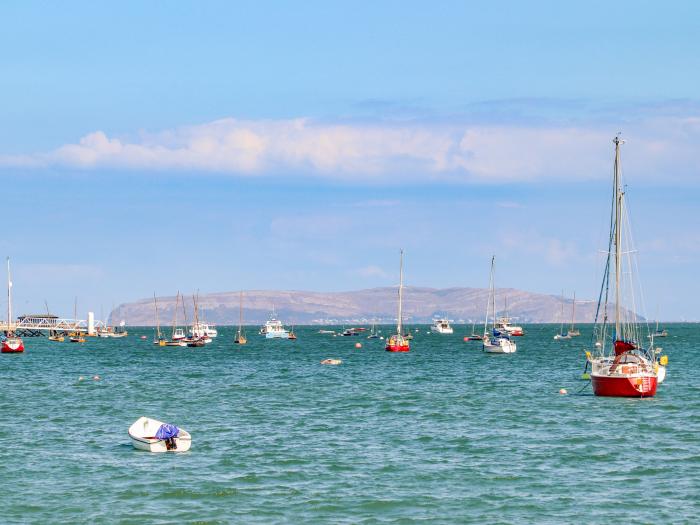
(443, 434)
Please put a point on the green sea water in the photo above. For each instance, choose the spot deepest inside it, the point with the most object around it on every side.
(443, 434)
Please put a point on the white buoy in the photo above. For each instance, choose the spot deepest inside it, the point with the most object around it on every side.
(96, 378)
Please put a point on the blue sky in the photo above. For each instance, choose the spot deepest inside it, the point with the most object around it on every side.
(220, 145)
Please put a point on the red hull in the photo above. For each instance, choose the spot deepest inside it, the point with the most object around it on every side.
(9, 350)
(624, 386)
(397, 348)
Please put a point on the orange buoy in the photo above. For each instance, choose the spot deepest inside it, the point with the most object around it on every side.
(358, 345)
(563, 391)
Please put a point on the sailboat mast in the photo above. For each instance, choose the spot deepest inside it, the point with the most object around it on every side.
(618, 235)
(573, 312)
(177, 303)
(240, 311)
(9, 296)
(155, 306)
(399, 321)
(561, 327)
(488, 301)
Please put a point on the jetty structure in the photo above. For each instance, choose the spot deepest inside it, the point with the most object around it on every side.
(41, 325)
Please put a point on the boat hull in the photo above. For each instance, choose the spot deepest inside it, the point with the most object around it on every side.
(141, 435)
(12, 346)
(397, 348)
(277, 335)
(624, 386)
(503, 346)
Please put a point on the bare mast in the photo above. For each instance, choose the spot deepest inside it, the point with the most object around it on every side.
(399, 321)
(619, 196)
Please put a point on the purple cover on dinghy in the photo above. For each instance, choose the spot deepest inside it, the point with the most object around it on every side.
(167, 431)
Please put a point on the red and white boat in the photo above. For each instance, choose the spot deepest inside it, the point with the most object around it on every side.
(620, 365)
(399, 342)
(11, 343)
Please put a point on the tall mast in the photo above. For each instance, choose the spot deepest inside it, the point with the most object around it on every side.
(573, 311)
(398, 324)
(619, 195)
(177, 303)
(9, 296)
(240, 311)
(561, 330)
(155, 306)
(488, 301)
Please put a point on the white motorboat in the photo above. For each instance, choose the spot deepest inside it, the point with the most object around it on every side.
(441, 326)
(274, 329)
(152, 435)
(203, 330)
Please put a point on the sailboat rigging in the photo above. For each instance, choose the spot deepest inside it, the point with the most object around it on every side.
(620, 366)
(240, 338)
(398, 342)
(11, 343)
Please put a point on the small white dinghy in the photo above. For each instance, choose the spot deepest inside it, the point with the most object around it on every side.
(152, 435)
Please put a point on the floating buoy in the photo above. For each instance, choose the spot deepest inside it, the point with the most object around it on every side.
(96, 378)
(358, 345)
(381, 338)
(331, 362)
(80, 378)
(563, 391)
(143, 337)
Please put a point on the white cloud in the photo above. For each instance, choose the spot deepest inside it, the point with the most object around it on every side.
(389, 151)
(371, 271)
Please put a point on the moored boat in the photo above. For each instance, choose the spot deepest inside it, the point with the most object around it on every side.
(274, 329)
(240, 338)
(152, 435)
(620, 366)
(11, 343)
(399, 342)
(498, 340)
(441, 326)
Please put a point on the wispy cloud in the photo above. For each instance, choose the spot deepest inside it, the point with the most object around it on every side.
(390, 151)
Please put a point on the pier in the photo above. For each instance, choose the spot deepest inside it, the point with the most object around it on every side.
(43, 325)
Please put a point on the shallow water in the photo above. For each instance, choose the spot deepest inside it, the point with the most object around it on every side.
(442, 434)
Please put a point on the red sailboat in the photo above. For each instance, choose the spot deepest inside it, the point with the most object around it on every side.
(399, 342)
(620, 365)
(11, 343)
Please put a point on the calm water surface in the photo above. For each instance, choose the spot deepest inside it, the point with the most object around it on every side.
(443, 434)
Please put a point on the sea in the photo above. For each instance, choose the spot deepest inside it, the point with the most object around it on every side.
(442, 434)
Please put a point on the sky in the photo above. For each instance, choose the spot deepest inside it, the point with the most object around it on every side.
(164, 146)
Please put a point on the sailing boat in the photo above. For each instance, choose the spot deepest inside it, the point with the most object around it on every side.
(399, 343)
(499, 341)
(561, 336)
(474, 336)
(53, 334)
(76, 336)
(198, 337)
(177, 335)
(620, 367)
(573, 331)
(240, 338)
(11, 343)
(373, 333)
(159, 340)
(658, 333)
